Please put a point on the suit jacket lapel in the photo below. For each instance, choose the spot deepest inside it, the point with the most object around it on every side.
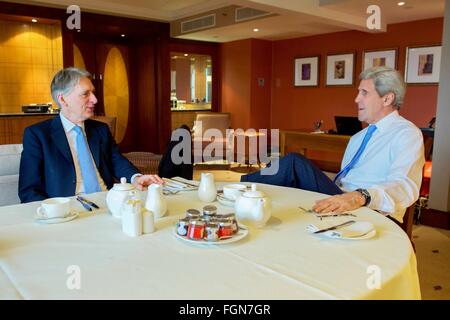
(59, 138)
(93, 141)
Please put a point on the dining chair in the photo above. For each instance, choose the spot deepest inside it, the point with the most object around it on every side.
(145, 162)
(408, 220)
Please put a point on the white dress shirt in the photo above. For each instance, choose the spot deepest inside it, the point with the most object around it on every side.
(71, 138)
(390, 167)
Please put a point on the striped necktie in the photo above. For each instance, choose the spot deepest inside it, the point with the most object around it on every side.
(370, 130)
(87, 168)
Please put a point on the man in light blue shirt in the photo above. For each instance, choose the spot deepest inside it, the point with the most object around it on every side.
(382, 165)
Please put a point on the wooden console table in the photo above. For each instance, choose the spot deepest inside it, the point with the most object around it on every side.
(325, 150)
(12, 125)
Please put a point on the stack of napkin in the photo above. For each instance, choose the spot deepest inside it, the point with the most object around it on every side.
(355, 230)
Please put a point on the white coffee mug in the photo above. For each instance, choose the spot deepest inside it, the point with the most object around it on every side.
(233, 191)
(54, 208)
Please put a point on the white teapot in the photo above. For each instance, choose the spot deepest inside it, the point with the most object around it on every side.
(253, 208)
(116, 196)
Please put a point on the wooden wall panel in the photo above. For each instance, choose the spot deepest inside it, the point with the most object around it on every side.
(12, 127)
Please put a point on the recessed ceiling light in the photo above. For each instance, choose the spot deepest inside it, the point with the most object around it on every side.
(122, 35)
(34, 20)
(256, 30)
(401, 3)
(185, 54)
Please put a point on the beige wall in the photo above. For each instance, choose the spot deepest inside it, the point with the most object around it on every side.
(30, 54)
(440, 177)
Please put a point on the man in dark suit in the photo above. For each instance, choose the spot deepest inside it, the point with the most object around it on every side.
(71, 154)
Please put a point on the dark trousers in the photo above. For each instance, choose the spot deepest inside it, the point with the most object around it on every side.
(296, 171)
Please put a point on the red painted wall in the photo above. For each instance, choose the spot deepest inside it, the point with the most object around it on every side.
(243, 63)
(261, 68)
(295, 107)
(235, 81)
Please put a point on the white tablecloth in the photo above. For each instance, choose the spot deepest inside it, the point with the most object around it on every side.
(279, 261)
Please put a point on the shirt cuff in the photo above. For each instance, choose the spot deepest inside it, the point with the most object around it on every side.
(378, 201)
(134, 176)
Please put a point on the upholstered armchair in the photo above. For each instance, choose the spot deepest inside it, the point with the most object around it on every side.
(9, 173)
(202, 137)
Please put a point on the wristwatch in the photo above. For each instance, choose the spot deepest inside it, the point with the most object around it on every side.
(366, 196)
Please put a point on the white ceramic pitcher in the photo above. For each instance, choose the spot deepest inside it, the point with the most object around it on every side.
(156, 202)
(207, 189)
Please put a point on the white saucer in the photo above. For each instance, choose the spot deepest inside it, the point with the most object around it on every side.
(72, 215)
(225, 201)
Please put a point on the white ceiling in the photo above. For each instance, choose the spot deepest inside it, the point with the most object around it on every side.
(295, 18)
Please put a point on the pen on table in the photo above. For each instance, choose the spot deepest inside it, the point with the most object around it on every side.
(85, 205)
(92, 204)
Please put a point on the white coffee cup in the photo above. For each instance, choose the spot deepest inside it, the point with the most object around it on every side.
(54, 208)
(233, 191)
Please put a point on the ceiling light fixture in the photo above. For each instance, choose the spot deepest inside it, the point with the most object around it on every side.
(185, 54)
(34, 20)
(122, 35)
(401, 3)
(256, 30)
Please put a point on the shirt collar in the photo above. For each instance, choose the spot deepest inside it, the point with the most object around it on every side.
(67, 124)
(386, 122)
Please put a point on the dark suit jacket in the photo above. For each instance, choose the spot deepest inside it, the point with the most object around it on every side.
(168, 169)
(47, 168)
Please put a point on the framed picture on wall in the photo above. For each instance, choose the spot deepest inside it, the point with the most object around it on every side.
(306, 72)
(423, 64)
(376, 58)
(340, 69)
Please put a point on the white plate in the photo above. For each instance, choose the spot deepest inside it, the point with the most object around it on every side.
(242, 233)
(72, 215)
(225, 201)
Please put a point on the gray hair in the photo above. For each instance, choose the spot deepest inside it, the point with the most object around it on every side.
(65, 80)
(386, 80)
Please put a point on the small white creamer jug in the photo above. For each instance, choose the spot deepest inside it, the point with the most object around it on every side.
(156, 202)
(207, 191)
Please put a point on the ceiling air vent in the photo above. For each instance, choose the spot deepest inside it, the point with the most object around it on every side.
(198, 23)
(243, 14)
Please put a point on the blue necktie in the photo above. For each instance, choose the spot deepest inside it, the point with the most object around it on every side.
(370, 130)
(88, 173)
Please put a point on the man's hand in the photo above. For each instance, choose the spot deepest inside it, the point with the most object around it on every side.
(340, 203)
(143, 181)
